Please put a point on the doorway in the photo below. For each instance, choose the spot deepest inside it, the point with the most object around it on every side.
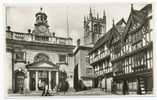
(32, 80)
(19, 81)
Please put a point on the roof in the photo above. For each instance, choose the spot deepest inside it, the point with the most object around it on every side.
(82, 48)
(116, 29)
(136, 16)
(147, 8)
(42, 64)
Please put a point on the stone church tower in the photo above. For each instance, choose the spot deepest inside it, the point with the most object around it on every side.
(94, 28)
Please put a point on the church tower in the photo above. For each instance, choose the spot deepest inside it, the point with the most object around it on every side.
(94, 28)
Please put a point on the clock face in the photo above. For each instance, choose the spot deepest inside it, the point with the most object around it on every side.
(42, 28)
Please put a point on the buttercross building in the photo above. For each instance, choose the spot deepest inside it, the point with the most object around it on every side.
(37, 56)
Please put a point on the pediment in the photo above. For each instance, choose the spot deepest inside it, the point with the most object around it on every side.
(44, 64)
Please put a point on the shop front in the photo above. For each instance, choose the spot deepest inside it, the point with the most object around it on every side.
(137, 83)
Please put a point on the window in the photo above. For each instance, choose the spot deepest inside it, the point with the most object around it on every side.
(149, 59)
(88, 70)
(87, 60)
(62, 58)
(20, 56)
(132, 85)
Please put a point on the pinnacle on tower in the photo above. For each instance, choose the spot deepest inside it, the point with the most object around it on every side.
(113, 22)
(90, 13)
(84, 19)
(104, 14)
(97, 15)
(132, 7)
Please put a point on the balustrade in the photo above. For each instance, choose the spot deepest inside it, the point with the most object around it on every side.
(38, 38)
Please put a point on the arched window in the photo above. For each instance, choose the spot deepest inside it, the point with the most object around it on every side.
(41, 57)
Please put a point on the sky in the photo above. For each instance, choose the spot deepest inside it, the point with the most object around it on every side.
(22, 18)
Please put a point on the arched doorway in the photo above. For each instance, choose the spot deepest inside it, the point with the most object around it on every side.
(19, 81)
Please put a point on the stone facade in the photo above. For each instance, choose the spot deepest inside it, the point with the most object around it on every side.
(94, 27)
(36, 57)
(85, 71)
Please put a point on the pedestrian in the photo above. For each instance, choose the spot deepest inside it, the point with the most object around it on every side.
(113, 87)
(46, 90)
(125, 87)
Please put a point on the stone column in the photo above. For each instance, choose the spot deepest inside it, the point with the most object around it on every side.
(27, 81)
(36, 80)
(49, 80)
(57, 78)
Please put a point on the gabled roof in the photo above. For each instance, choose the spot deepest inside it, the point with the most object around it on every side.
(42, 64)
(136, 16)
(147, 8)
(116, 29)
(120, 26)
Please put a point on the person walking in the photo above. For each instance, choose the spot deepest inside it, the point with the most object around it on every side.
(125, 87)
(45, 90)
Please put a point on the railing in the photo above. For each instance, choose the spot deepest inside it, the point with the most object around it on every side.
(37, 38)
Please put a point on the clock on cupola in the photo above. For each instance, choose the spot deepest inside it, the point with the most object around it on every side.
(41, 25)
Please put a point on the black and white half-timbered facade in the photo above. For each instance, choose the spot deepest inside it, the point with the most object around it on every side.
(124, 55)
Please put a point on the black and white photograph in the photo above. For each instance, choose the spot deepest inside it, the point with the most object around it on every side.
(79, 49)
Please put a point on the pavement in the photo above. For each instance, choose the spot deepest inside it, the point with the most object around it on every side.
(91, 92)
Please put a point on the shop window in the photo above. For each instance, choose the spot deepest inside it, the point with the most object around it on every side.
(132, 85)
